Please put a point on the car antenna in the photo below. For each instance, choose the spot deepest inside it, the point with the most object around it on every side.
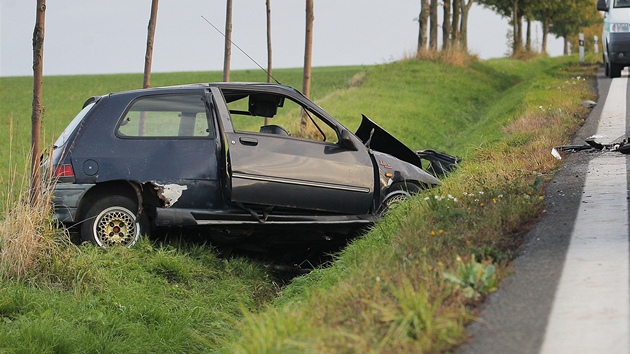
(239, 48)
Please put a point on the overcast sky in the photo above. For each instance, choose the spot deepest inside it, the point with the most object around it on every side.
(93, 37)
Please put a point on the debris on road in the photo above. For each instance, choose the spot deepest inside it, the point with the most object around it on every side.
(591, 145)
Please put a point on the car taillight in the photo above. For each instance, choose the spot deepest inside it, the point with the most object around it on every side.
(64, 171)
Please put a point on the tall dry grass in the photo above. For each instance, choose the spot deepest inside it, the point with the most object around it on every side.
(454, 56)
(31, 243)
(27, 238)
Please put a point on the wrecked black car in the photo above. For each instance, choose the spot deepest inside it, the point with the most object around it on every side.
(234, 157)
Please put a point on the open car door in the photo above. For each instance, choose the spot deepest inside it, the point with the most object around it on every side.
(296, 171)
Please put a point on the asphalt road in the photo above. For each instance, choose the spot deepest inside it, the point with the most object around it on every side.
(569, 292)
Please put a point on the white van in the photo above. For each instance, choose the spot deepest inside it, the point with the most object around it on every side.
(616, 36)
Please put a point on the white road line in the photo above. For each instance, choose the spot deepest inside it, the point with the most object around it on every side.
(591, 308)
(612, 122)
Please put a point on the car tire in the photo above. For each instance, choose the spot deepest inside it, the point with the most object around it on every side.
(615, 70)
(606, 68)
(398, 193)
(112, 221)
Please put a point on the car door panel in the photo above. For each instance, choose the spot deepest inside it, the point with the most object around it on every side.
(299, 173)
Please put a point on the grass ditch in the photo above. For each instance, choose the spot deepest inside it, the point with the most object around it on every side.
(413, 282)
(410, 284)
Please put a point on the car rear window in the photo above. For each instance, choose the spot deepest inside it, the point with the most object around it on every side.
(166, 116)
(73, 125)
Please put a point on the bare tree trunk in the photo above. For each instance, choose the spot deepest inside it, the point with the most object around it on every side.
(424, 21)
(457, 10)
(565, 48)
(269, 56)
(519, 18)
(433, 32)
(36, 115)
(148, 57)
(446, 26)
(308, 53)
(465, 8)
(528, 36)
(545, 29)
(420, 40)
(516, 42)
(227, 55)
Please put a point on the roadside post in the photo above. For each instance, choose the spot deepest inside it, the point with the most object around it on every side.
(581, 48)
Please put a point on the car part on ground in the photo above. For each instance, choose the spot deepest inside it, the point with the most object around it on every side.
(622, 146)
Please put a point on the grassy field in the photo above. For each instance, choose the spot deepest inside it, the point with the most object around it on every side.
(410, 284)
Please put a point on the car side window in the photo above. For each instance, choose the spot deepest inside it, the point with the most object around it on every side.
(277, 115)
(164, 116)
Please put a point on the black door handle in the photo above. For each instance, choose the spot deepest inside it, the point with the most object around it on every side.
(248, 141)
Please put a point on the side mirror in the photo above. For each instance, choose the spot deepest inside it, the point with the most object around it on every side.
(346, 141)
(602, 5)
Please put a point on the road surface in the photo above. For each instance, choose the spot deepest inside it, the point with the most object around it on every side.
(570, 290)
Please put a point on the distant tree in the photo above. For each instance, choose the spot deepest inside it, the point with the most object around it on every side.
(564, 18)
(528, 35)
(148, 57)
(576, 16)
(36, 113)
(423, 21)
(518, 22)
(465, 9)
(526, 12)
(509, 9)
(269, 56)
(227, 53)
(446, 25)
(433, 29)
(545, 11)
(308, 54)
(456, 32)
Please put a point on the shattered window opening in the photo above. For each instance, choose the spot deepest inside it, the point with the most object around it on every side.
(289, 119)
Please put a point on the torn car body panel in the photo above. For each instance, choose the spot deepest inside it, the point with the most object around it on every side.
(169, 193)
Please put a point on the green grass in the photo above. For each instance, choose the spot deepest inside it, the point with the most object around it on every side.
(412, 283)
(151, 299)
(408, 285)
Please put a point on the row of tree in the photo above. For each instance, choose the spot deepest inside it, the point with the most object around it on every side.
(454, 26)
(563, 18)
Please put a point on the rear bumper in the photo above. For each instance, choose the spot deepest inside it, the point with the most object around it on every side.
(66, 198)
(619, 48)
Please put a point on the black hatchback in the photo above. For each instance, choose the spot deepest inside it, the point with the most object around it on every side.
(235, 158)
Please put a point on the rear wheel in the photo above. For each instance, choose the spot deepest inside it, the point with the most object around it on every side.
(615, 70)
(111, 221)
